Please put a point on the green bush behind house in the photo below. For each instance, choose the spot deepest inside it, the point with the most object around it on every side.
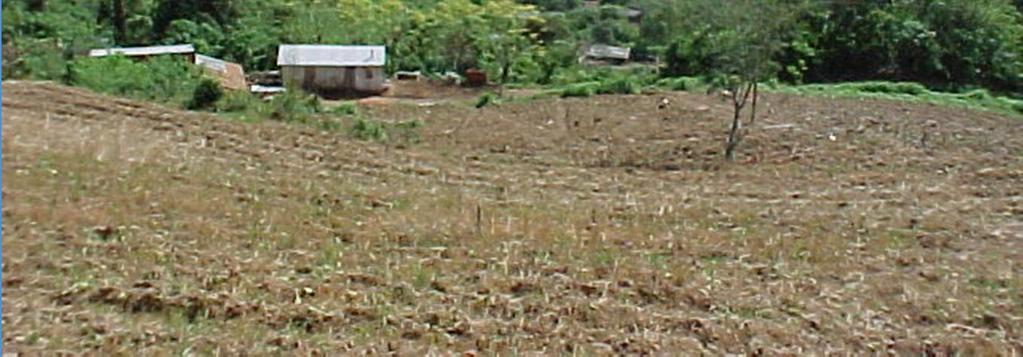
(161, 79)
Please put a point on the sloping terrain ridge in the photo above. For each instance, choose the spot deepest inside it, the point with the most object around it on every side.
(592, 226)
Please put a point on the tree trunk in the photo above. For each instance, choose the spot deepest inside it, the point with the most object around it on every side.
(739, 98)
(505, 72)
(119, 20)
(753, 108)
(734, 136)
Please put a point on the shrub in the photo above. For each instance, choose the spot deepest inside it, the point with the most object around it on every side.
(205, 95)
(292, 106)
(161, 79)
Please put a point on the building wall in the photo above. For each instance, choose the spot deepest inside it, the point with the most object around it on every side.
(335, 81)
(232, 77)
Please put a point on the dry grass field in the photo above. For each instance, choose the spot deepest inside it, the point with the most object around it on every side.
(589, 226)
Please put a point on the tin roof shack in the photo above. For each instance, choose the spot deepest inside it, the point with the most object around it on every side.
(230, 75)
(185, 51)
(606, 55)
(334, 71)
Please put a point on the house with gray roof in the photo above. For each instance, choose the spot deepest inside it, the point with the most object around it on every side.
(334, 71)
(604, 54)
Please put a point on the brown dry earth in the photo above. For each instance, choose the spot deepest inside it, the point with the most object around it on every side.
(604, 225)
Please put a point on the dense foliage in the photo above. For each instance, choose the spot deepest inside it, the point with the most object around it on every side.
(946, 44)
(160, 79)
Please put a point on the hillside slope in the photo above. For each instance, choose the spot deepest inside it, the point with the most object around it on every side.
(586, 225)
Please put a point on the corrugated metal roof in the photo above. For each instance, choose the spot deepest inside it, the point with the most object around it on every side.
(331, 56)
(143, 51)
(608, 52)
(211, 63)
(630, 13)
(255, 88)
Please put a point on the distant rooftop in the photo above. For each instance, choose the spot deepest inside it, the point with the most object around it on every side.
(630, 13)
(331, 56)
(143, 51)
(215, 64)
(608, 52)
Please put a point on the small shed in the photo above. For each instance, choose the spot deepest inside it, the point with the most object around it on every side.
(230, 75)
(334, 71)
(187, 52)
(604, 54)
(475, 78)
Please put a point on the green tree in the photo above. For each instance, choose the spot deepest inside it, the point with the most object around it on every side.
(554, 5)
(746, 37)
(128, 19)
(206, 94)
(219, 11)
(948, 43)
(208, 37)
(451, 28)
(507, 39)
